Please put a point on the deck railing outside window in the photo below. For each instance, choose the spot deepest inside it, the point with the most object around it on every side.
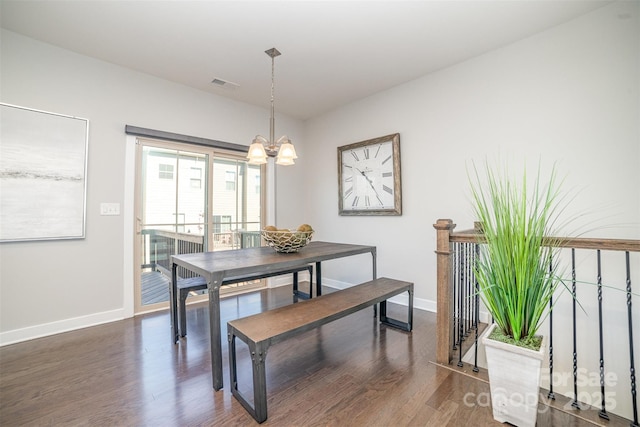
(592, 346)
(159, 245)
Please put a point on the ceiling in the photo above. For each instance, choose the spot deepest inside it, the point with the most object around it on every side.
(333, 52)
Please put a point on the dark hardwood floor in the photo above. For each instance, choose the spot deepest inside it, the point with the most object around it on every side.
(352, 372)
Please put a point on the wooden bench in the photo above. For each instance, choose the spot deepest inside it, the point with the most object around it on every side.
(199, 283)
(264, 329)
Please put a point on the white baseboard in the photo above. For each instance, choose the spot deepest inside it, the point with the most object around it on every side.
(285, 279)
(38, 331)
(46, 329)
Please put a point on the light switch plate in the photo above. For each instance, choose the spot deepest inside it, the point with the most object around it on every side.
(109, 208)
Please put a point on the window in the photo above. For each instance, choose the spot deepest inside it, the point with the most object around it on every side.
(230, 180)
(196, 178)
(256, 184)
(166, 171)
(221, 223)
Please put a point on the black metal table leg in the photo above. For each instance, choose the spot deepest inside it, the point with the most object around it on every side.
(318, 279)
(173, 291)
(213, 284)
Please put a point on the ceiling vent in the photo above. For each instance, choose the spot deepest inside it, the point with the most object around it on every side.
(224, 84)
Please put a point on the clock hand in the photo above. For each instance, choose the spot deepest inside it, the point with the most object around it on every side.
(370, 183)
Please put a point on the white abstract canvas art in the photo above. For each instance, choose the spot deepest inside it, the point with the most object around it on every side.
(43, 158)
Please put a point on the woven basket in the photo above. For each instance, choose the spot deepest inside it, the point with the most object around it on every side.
(287, 241)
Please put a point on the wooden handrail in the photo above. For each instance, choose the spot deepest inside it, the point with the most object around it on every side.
(631, 245)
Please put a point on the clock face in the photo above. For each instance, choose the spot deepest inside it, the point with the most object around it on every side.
(368, 178)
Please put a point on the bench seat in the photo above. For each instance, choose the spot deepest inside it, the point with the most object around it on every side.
(264, 329)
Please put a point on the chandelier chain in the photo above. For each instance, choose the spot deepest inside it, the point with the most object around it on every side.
(272, 140)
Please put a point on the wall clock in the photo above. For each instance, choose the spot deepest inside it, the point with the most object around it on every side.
(369, 177)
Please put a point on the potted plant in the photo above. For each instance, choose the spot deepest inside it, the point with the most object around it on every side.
(516, 280)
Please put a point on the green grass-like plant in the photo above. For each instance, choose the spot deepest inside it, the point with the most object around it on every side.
(516, 279)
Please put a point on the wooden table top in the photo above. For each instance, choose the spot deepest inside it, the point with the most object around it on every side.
(264, 259)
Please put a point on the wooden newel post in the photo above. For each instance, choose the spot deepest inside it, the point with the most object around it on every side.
(444, 328)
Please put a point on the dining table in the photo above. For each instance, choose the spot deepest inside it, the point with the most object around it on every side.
(216, 266)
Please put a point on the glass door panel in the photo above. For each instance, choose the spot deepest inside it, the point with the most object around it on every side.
(236, 204)
(172, 211)
(190, 201)
(237, 189)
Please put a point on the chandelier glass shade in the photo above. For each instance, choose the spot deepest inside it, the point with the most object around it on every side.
(261, 147)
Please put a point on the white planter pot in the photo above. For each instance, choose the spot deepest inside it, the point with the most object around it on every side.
(514, 378)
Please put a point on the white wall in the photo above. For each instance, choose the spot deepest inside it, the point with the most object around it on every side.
(568, 95)
(49, 287)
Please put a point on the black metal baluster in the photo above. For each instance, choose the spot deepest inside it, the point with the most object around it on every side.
(454, 267)
(575, 403)
(461, 322)
(460, 279)
(632, 368)
(551, 395)
(477, 306)
(463, 290)
(466, 291)
(468, 287)
(603, 411)
(472, 287)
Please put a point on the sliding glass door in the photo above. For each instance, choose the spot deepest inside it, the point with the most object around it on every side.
(190, 199)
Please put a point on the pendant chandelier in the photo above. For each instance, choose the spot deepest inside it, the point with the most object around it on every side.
(262, 147)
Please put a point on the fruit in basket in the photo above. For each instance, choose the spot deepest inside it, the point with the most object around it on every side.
(285, 240)
(305, 228)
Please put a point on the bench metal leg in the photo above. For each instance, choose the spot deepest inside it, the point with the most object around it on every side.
(299, 294)
(406, 326)
(258, 355)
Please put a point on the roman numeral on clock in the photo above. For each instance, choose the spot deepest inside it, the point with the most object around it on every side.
(377, 151)
(348, 192)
